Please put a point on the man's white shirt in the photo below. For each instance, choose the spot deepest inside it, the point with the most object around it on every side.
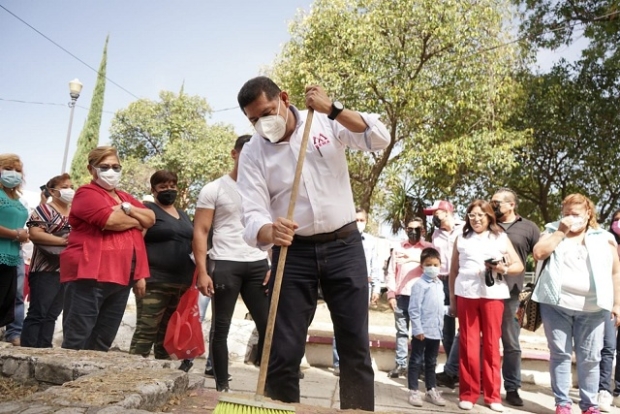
(325, 200)
(222, 196)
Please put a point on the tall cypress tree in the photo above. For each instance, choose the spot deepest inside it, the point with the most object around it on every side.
(89, 137)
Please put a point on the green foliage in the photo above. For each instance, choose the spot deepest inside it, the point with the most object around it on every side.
(573, 113)
(89, 137)
(553, 23)
(171, 134)
(434, 70)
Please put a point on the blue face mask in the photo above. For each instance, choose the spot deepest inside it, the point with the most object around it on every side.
(431, 271)
(10, 178)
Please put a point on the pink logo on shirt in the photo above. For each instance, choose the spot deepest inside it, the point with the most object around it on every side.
(320, 141)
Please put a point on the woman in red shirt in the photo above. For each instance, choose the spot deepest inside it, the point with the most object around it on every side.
(104, 257)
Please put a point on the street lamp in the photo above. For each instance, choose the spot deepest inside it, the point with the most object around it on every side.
(75, 87)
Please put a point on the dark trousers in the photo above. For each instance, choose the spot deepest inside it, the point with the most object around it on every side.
(610, 381)
(449, 322)
(93, 311)
(46, 298)
(423, 351)
(229, 280)
(338, 266)
(8, 290)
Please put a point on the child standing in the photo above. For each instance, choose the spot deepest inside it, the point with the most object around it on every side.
(426, 312)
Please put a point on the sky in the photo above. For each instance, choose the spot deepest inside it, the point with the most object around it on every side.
(212, 47)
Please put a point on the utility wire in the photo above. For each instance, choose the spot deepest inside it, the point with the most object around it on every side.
(66, 51)
(85, 107)
(456, 60)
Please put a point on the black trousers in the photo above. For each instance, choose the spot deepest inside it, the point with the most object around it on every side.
(339, 266)
(92, 314)
(46, 298)
(229, 280)
(8, 290)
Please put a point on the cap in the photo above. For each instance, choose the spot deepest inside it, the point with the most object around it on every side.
(439, 205)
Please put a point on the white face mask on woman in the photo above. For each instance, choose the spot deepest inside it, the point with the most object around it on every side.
(66, 195)
(578, 223)
(108, 179)
(272, 127)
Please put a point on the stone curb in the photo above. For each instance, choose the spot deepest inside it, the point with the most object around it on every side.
(92, 382)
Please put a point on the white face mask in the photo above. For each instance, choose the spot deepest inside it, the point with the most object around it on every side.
(431, 271)
(578, 223)
(108, 179)
(272, 127)
(361, 226)
(66, 195)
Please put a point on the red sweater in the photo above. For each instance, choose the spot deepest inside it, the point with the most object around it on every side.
(94, 253)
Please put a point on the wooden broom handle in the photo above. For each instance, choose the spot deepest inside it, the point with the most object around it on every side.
(277, 283)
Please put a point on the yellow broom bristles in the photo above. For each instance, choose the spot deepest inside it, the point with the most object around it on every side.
(231, 405)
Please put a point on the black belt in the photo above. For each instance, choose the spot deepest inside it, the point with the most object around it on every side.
(342, 233)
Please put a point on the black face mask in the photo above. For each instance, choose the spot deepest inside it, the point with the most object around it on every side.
(167, 197)
(497, 211)
(436, 221)
(414, 235)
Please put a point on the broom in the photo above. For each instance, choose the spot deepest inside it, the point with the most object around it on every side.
(239, 405)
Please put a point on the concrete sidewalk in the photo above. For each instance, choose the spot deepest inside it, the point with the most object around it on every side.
(320, 394)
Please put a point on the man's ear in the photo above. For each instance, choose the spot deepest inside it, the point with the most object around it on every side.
(285, 98)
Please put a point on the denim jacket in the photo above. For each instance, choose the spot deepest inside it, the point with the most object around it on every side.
(600, 260)
(426, 308)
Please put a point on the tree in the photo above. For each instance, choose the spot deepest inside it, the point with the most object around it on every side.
(89, 137)
(172, 134)
(574, 113)
(553, 23)
(438, 73)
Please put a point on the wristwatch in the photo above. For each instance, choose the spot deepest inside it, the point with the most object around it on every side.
(126, 207)
(337, 107)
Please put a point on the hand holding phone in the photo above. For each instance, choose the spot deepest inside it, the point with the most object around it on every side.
(45, 191)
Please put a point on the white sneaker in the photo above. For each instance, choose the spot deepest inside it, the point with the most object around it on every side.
(604, 400)
(433, 396)
(415, 398)
(466, 405)
(497, 407)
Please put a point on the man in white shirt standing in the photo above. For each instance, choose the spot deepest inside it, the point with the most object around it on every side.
(403, 271)
(233, 267)
(325, 245)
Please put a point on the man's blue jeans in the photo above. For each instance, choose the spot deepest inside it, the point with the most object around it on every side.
(401, 320)
(586, 329)
(14, 329)
(511, 362)
(335, 265)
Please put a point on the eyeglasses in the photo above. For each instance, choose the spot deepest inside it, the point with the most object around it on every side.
(476, 215)
(106, 167)
(497, 203)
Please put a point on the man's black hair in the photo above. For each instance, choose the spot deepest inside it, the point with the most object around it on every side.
(512, 194)
(253, 88)
(431, 253)
(241, 141)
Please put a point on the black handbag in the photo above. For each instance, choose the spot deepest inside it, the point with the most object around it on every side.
(50, 252)
(528, 313)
